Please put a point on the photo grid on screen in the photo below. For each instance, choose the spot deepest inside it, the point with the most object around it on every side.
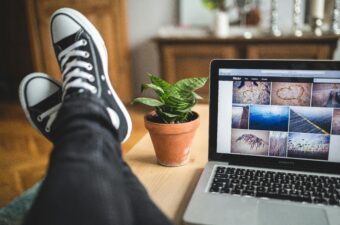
(286, 119)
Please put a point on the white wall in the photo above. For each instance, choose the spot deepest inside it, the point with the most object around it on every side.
(145, 17)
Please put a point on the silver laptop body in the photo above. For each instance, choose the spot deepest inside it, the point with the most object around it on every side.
(279, 120)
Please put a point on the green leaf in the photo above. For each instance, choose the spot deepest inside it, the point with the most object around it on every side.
(196, 96)
(170, 115)
(174, 99)
(167, 117)
(188, 97)
(159, 82)
(177, 104)
(154, 87)
(190, 84)
(185, 110)
(148, 101)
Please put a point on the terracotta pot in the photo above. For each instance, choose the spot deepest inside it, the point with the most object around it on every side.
(172, 142)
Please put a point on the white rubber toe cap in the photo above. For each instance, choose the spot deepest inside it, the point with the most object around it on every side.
(39, 89)
(62, 26)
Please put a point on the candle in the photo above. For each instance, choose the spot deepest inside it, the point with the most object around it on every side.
(317, 8)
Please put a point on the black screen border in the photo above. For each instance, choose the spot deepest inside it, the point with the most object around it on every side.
(259, 161)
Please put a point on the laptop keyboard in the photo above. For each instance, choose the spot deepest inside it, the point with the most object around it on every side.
(277, 185)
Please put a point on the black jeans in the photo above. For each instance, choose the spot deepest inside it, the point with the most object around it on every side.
(87, 181)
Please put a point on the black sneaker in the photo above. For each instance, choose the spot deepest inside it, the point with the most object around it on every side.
(82, 58)
(40, 97)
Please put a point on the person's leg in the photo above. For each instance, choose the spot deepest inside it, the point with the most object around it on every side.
(82, 48)
(87, 182)
(84, 182)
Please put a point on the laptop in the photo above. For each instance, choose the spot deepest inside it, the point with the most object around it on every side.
(274, 145)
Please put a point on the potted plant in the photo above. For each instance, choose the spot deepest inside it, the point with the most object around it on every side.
(172, 123)
(221, 22)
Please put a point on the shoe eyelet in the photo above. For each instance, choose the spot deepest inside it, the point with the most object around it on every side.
(89, 67)
(86, 55)
(47, 129)
(92, 79)
(81, 91)
(84, 42)
(102, 77)
(94, 90)
(39, 118)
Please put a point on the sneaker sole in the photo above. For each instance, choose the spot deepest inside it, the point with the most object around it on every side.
(97, 39)
(22, 95)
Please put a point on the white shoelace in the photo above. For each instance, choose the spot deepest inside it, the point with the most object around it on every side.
(51, 114)
(69, 74)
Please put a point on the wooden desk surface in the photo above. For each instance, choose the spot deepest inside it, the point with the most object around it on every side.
(171, 187)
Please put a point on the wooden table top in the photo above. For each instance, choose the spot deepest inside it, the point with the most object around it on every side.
(171, 187)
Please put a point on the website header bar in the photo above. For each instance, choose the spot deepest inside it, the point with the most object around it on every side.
(280, 73)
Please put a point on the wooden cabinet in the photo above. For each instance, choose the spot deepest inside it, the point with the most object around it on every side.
(109, 18)
(192, 60)
(190, 57)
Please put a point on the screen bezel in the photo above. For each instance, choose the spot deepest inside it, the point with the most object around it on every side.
(268, 162)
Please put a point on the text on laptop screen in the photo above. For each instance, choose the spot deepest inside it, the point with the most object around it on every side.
(279, 113)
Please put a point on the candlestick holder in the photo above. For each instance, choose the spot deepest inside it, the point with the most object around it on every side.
(274, 27)
(297, 18)
(316, 26)
(335, 28)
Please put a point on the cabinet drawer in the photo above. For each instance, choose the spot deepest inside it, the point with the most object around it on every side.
(289, 51)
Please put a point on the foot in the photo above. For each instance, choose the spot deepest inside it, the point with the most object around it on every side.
(82, 58)
(40, 97)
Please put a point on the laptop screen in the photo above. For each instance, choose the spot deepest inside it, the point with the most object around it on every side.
(279, 113)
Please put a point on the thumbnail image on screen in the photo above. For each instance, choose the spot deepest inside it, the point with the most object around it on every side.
(251, 92)
(291, 94)
(326, 95)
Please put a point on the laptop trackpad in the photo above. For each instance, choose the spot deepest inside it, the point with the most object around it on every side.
(271, 213)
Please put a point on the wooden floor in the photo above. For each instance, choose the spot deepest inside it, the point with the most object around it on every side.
(24, 152)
